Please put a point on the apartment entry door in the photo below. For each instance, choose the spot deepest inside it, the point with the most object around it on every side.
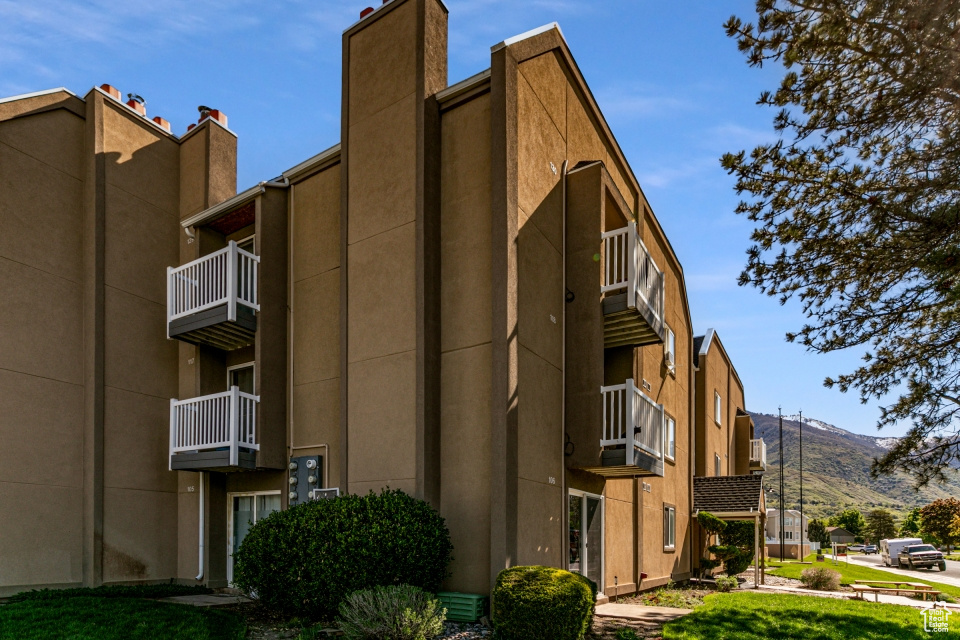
(243, 511)
(586, 535)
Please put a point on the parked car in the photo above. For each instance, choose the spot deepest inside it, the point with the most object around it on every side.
(921, 555)
(855, 547)
(870, 549)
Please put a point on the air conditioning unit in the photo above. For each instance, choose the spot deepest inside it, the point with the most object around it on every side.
(668, 359)
(324, 494)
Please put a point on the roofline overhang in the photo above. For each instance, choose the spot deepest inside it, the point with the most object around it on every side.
(37, 94)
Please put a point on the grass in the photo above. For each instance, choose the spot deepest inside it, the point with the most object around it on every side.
(84, 617)
(758, 616)
(113, 591)
(851, 572)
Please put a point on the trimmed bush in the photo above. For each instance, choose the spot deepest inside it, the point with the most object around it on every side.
(542, 603)
(304, 561)
(391, 613)
(726, 583)
(820, 578)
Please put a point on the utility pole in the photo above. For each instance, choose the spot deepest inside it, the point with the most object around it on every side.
(782, 523)
(802, 532)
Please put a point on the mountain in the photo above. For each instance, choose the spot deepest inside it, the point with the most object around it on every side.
(836, 469)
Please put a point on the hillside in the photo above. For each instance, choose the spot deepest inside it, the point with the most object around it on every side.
(836, 470)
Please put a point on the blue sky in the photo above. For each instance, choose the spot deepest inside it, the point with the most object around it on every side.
(673, 87)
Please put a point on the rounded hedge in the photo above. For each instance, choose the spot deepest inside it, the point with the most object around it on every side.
(305, 560)
(542, 603)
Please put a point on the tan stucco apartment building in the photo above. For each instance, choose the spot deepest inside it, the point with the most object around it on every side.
(468, 298)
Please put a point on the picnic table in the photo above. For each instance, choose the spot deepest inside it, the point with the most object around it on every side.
(899, 586)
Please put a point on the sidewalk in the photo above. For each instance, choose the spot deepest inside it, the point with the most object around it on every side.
(640, 613)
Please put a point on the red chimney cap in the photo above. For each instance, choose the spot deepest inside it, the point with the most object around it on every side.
(366, 12)
(190, 127)
(110, 89)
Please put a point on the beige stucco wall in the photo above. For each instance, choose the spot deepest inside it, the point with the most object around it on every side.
(315, 323)
(140, 365)
(465, 362)
(553, 125)
(380, 130)
(88, 228)
(41, 387)
(717, 375)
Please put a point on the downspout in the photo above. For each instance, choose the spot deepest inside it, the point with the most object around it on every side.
(200, 554)
(564, 508)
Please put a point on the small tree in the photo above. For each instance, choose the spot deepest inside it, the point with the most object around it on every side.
(712, 526)
(817, 532)
(910, 528)
(880, 524)
(937, 519)
(851, 520)
(735, 548)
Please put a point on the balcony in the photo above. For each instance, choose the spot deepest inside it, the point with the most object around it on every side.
(214, 433)
(632, 291)
(758, 455)
(213, 300)
(632, 436)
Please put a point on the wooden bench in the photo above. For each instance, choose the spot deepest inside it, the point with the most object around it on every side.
(895, 583)
(860, 589)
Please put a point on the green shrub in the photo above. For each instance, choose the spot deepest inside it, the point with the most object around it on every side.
(391, 613)
(304, 561)
(542, 603)
(710, 523)
(820, 578)
(726, 583)
(112, 591)
(626, 633)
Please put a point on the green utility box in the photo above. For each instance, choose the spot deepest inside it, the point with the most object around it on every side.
(463, 607)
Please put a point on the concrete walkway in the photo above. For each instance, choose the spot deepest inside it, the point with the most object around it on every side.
(640, 613)
(209, 600)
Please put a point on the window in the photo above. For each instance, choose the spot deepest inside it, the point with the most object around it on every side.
(788, 535)
(669, 527)
(716, 464)
(789, 521)
(716, 407)
(670, 350)
(242, 376)
(671, 438)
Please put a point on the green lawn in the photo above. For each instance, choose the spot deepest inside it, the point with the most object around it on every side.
(851, 572)
(759, 616)
(95, 618)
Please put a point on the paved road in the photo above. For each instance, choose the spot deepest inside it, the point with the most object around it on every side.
(950, 576)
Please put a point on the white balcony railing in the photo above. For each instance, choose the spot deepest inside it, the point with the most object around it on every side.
(758, 452)
(227, 276)
(628, 265)
(630, 416)
(221, 420)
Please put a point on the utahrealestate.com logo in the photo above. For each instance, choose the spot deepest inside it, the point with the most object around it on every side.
(936, 619)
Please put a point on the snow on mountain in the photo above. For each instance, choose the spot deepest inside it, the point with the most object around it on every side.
(882, 442)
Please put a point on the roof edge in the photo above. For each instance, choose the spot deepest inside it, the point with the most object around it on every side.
(37, 94)
(528, 34)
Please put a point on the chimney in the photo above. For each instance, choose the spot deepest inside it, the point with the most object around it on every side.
(111, 90)
(394, 62)
(162, 122)
(137, 106)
